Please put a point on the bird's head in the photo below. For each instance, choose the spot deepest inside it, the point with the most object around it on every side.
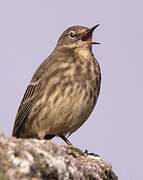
(77, 37)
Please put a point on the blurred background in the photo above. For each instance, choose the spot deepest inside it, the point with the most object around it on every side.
(28, 33)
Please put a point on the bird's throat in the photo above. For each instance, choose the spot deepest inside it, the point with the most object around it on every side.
(84, 53)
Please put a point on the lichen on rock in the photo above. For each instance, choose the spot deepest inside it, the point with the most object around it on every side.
(24, 159)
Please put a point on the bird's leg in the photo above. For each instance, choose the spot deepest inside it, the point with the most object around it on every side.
(65, 139)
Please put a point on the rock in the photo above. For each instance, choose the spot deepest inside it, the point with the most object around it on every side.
(32, 159)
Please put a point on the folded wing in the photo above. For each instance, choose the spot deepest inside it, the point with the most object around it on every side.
(29, 98)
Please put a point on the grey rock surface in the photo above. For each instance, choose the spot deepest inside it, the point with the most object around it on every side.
(31, 159)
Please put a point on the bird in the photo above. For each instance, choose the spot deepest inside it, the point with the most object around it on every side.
(63, 90)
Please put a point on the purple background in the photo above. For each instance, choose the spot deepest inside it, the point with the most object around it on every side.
(28, 33)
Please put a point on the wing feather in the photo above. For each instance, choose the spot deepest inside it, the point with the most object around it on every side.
(30, 96)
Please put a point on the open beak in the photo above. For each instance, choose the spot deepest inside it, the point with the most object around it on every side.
(87, 35)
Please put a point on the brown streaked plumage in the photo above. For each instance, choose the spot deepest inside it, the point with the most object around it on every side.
(63, 90)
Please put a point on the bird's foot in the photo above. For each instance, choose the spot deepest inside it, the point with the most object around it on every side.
(74, 151)
(90, 154)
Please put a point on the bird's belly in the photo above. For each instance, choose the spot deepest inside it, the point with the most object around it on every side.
(80, 110)
(65, 113)
(70, 112)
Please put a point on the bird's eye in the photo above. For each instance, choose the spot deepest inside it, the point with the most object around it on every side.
(72, 34)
